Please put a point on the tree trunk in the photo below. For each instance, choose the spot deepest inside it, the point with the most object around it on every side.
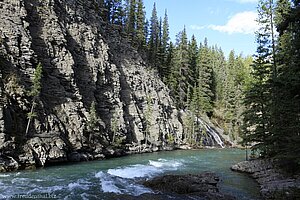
(30, 117)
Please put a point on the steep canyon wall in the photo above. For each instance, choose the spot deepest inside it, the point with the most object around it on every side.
(84, 61)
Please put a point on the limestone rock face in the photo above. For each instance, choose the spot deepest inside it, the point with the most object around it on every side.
(84, 60)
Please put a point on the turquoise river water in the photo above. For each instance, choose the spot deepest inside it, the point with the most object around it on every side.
(123, 176)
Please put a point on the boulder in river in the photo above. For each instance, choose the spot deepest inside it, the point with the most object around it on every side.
(7, 163)
(198, 186)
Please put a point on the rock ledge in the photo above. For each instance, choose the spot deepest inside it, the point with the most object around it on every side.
(274, 183)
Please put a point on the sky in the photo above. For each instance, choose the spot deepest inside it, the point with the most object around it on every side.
(230, 24)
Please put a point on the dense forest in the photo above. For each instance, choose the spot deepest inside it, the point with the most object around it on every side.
(255, 98)
(201, 79)
(272, 116)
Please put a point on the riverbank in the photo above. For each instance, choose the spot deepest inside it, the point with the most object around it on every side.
(123, 177)
(274, 182)
(10, 164)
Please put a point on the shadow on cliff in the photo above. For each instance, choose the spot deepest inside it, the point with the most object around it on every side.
(125, 94)
(56, 89)
(14, 83)
(100, 89)
(117, 57)
(89, 90)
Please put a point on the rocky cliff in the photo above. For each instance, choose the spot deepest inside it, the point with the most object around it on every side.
(84, 61)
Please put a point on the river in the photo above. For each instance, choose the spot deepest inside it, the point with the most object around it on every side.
(119, 176)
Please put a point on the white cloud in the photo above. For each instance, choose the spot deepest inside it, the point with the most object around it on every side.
(197, 27)
(244, 22)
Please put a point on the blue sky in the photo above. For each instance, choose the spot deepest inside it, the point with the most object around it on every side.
(228, 23)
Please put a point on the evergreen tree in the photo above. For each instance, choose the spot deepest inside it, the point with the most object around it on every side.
(35, 92)
(219, 72)
(164, 45)
(104, 10)
(230, 87)
(165, 32)
(131, 18)
(116, 12)
(258, 97)
(160, 56)
(146, 31)
(193, 54)
(205, 77)
(180, 71)
(286, 137)
(154, 38)
(140, 24)
(169, 63)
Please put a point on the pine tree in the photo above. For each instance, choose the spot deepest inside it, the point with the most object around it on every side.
(164, 45)
(219, 71)
(205, 77)
(286, 138)
(193, 54)
(165, 32)
(131, 19)
(154, 38)
(116, 12)
(140, 24)
(104, 10)
(146, 31)
(230, 87)
(169, 64)
(258, 97)
(180, 71)
(35, 92)
(160, 56)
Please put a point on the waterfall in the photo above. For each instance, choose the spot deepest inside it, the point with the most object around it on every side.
(207, 127)
(212, 132)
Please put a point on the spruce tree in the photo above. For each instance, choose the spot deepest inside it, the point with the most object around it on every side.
(205, 76)
(286, 130)
(154, 38)
(193, 54)
(116, 13)
(230, 87)
(140, 24)
(180, 71)
(160, 56)
(169, 63)
(165, 32)
(258, 97)
(105, 10)
(131, 19)
(219, 71)
(35, 92)
(164, 51)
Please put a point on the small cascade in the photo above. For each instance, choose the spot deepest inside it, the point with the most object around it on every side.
(207, 127)
(213, 133)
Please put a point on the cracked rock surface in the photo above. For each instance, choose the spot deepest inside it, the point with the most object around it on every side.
(84, 60)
